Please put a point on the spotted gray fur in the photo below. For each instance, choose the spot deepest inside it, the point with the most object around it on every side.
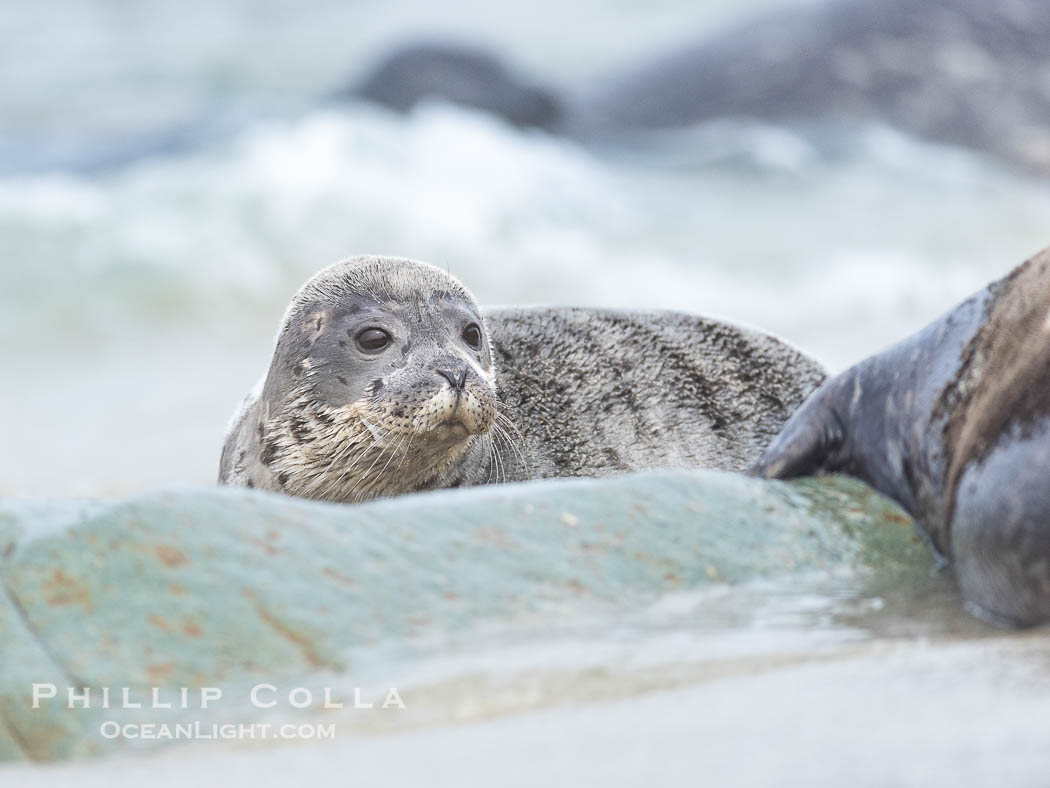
(552, 391)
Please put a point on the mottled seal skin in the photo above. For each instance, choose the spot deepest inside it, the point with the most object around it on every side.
(954, 424)
(595, 391)
(965, 72)
(543, 392)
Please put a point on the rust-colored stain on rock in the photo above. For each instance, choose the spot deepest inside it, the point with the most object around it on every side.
(306, 645)
(171, 556)
(160, 672)
(576, 586)
(266, 546)
(338, 576)
(61, 589)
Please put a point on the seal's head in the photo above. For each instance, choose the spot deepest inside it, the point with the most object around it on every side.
(381, 383)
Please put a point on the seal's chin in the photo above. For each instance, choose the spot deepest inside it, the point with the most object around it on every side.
(451, 430)
(450, 435)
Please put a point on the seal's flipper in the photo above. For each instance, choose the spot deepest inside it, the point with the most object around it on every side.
(806, 445)
(1000, 532)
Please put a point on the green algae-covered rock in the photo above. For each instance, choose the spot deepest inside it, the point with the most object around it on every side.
(230, 588)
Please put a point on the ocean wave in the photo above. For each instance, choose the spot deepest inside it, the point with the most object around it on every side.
(769, 232)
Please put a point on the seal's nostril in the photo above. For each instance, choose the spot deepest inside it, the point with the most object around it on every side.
(457, 384)
(450, 378)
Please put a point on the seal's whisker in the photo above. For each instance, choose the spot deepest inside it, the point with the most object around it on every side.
(491, 451)
(368, 483)
(505, 420)
(496, 458)
(499, 457)
(373, 429)
(345, 472)
(362, 482)
(352, 444)
(408, 448)
(393, 453)
(501, 431)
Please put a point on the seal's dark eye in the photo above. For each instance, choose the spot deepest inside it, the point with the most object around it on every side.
(472, 336)
(373, 340)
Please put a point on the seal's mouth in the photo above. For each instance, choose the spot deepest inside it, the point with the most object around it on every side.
(458, 421)
(452, 428)
(442, 420)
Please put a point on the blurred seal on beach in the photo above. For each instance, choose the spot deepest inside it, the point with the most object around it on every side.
(954, 424)
(970, 73)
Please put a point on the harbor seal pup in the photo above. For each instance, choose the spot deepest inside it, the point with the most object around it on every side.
(954, 424)
(388, 378)
(964, 72)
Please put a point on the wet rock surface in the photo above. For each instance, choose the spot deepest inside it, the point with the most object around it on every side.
(221, 588)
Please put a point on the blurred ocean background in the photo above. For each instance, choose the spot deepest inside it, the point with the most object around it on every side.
(171, 171)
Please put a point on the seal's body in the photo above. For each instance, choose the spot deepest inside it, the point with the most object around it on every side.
(954, 424)
(595, 392)
(964, 72)
(387, 378)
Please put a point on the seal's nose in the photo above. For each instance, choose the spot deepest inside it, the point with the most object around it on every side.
(457, 383)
